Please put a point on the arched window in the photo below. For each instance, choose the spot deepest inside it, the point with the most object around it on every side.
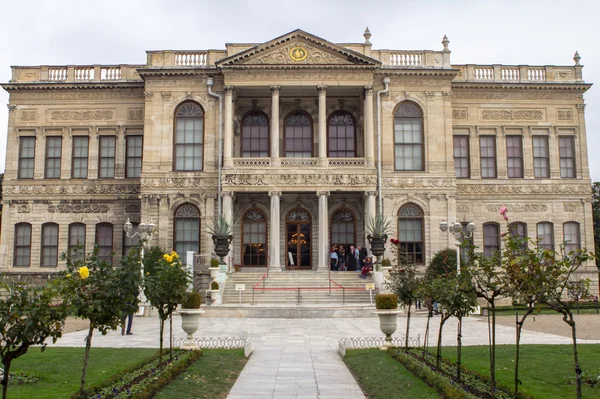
(491, 238)
(187, 230)
(298, 135)
(254, 238)
(571, 237)
(189, 137)
(343, 228)
(255, 135)
(408, 137)
(104, 241)
(545, 235)
(22, 251)
(77, 241)
(130, 243)
(410, 232)
(341, 136)
(49, 244)
(519, 229)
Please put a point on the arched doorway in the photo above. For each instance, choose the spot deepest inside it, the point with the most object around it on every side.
(298, 238)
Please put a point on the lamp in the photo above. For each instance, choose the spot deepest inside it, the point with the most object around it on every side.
(458, 232)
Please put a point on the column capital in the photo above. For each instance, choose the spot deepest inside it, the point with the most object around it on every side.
(228, 90)
(322, 89)
(325, 193)
(368, 90)
(274, 193)
(368, 193)
(11, 107)
(227, 194)
(580, 107)
(275, 89)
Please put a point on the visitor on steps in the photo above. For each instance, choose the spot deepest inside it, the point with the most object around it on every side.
(334, 260)
(367, 267)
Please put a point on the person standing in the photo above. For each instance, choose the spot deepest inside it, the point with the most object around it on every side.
(334, 260)
(352, 259)
(342, 258)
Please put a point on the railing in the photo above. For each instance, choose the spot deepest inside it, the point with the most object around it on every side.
(518, 73)
(407, 58)
(110, 73)
(299, 162)
(346, 162)
(191, 58)
(374, 342)
(59, 73)
(252, 162)
(265, 162)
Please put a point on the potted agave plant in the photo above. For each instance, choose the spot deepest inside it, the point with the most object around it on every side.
(386, 306)
(222, 235)
(378, 229)
(190, 317)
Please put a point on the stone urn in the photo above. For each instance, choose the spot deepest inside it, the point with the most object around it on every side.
(388, 323)
(222, 245)
(377, 244)
(190, 322)
(214, 272)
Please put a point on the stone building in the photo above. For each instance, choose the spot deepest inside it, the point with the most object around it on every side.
(315, 136)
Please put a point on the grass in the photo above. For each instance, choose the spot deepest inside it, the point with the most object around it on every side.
(212, 376)
(380, 376)
(59, 369)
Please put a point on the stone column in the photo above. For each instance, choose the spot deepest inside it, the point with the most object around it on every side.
(228, 214)
(67, 153)
(323, 231)
(369, 143)
(275, 229)
(322, 125)
(39, 164)
(120, 152)
(275, 126)
(501, 168)
(474, 154)
(228, 128)
(554, 154)
(369, 212)
(527, 154)
(93, 153)
(581, 160)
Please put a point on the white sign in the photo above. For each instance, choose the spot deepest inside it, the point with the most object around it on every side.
(240, 287)
(370, 286)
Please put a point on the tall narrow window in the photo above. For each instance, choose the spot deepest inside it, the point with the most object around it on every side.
(189, 137)
(254, 239)
(77, 241)
(130, 243)
(133, 162)
(106, 169)
(343, 229)
(410, 233)
(80, 157)
(491, 238)
(341, 137)
(541, 157)
(545, 235)
(571, 237)
(26, 157)
(408, 137)
(514, 156)
(104, 241)
(22, 250)
(461, 156)
(298, 135)
(567, 156)
(255, 135)
(487, 146)
(187, 229)
(53, 155)
(519, 229)
(49, 244)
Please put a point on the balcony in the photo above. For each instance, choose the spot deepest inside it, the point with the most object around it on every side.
(299, 163)
(76, 74)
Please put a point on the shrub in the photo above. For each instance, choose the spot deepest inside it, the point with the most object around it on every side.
(191, 300)
(214, 263)
(442, 263)
(386, 262)
(386, 301)
(214, 285)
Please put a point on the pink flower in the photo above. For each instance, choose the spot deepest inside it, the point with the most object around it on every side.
(503, 234)
(503, 211)
(505, 217)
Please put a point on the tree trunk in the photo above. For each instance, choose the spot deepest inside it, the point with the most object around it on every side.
(171, 337)
(426, 341)
(493, 353)
(6, 363)
(438, 356)
(86, 357)
(519, 328)
(571, 322)
(458, 349)
(407, 328)
(160, 347)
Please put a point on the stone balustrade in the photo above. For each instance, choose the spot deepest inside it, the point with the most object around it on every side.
(286, 163)
(518, 73)
(78, 73)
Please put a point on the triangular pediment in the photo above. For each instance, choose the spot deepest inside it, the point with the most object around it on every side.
(300, 49)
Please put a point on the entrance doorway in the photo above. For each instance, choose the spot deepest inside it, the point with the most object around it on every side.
(298, 238)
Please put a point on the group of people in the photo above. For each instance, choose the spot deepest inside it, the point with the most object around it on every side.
(353, 259)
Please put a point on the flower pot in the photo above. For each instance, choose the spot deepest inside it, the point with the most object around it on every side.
(377, 244)
(190, 321)
(214, 296)
(214, 272)
(222, 245)
(388, 323)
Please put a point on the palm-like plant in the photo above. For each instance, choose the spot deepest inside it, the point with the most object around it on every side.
(221, 227)
(378, 226)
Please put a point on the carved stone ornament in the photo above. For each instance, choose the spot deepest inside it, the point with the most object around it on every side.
(307, 179)
(523, 189)
(73, 189)
(166, 95)
(179, 182)
(11, 107)
(564, 114)
(28, 116)
(23, 208)
(135, 114)
(512, 115)
(463, 208)
(94, 115)
(418, 182)
(570, 207)
(298, 53)
(460, 113)
(78, 208)
(527, 95)
(234, 76)
(132, 208)
(79, 95)
(518, 207)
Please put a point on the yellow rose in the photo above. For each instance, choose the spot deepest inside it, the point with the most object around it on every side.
(84, 272)
(166, 256)
(174, 255)
(68, 275)
(169, 258)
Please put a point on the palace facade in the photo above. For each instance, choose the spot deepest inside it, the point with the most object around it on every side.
(301, 139)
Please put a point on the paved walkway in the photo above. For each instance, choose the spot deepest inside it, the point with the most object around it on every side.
(297, 358)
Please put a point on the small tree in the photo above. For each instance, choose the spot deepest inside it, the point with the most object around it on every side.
(165, 289)
(427, 294)
(443, 287)
(28, 316)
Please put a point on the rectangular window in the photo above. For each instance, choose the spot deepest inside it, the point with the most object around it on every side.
(106, 157)
(514, 156)
(80, 157)
(26, 157)
(541, 157)
(22, 250)
(49, 244)
(545, 235)
(408, 139)
(567, 156)
(487, 150)
(104, 241)
(461, 156)
(571, 237)
(491, 239)
(133, 162)
(53, 156)
(77, 242)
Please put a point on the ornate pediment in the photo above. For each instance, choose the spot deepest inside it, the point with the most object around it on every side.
(300, 49)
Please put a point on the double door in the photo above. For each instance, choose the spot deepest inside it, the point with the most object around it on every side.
(298, 245)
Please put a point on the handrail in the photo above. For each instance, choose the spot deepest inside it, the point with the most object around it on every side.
(262, 279)
(299, 289)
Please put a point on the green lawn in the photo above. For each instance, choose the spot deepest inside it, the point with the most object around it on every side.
(211, 377)
(382, 377)
(59, 369)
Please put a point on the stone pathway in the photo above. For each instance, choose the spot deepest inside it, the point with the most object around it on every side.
(297, 358)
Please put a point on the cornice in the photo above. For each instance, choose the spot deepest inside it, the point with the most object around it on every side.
(11, 87)
(581, 87)
(418, 72)
(166, 71)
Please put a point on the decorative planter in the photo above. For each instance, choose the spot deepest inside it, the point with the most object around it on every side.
(222, 245)
(377, 244)
(214, 272)
(378, 279)
(214, 296)
(388, 323)
(190, 321)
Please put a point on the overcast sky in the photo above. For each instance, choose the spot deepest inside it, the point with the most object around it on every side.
(525, 32)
